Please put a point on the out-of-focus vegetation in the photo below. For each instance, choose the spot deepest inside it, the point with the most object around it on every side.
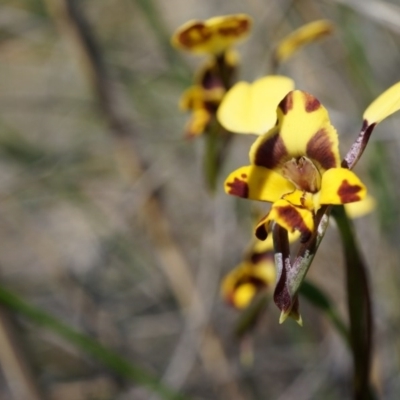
(107, 225)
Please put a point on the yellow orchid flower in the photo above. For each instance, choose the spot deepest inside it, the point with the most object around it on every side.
(255, 274)
(244, 282)
(296, 166)
(213, 36)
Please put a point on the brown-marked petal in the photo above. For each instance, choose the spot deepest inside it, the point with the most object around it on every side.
(303, 129)
(214, 35)
(306, 34)
(197, 123)
(251, 108)
(257, 183)
(341, 186)
(289, 217)
(242, 283)
(262, 246)
(196, 97)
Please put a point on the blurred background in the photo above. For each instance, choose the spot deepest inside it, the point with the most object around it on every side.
(106, 223)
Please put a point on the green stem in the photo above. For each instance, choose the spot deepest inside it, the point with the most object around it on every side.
(90, 346)
(359, 306)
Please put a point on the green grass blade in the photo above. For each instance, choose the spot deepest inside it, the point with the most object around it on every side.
(88, 345)
(359, 305)
(319, 299)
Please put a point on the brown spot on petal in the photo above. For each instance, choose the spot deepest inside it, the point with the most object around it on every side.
(256, 282)
(261, 232)
(271, 152)
(311, 103)
(255, 258)
(319, 148)
(293, 218)
(238, 188)
(349, 193)
(194, 35)
(238, 27)
(287, 103)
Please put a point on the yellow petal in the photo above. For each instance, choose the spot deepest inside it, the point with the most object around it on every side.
(198, 123)
(257, 183)
(191, 98)
(196, 97)
(241, 284)
(214, 35)
(243, 295)
(360, 208)
(341, 186)
(383, 106)
(306, 34)
(303, 129)
(251, 108)
(300, 199)
(262, 246)
(287, 216)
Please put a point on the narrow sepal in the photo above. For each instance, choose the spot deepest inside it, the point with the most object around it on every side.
(384, 105)
(302, 36)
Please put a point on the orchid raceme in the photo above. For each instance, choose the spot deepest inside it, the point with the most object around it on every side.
(296, 166)
(251, 108)
(213, 36)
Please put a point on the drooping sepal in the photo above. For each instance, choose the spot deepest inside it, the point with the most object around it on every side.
(285, 301)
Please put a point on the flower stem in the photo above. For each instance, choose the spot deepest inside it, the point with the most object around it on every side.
(359, 307)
